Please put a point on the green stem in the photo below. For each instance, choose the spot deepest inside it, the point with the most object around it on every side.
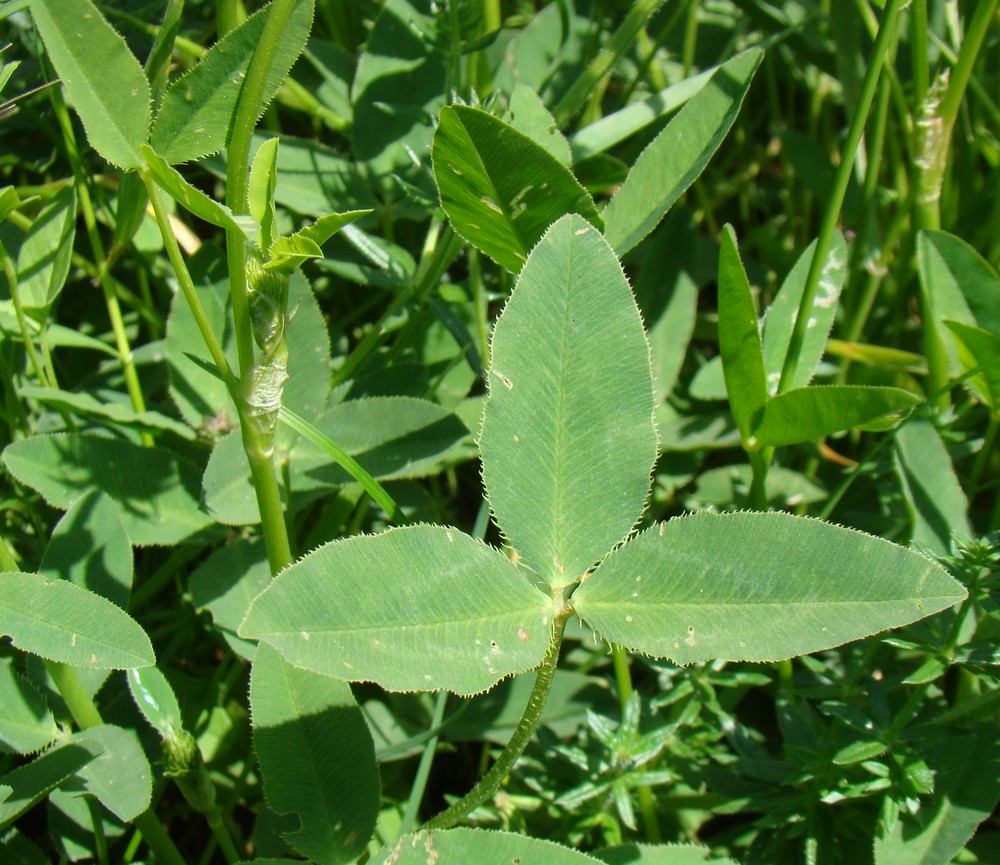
(836, 199)
(22, 321)
(490, 782)
(918, 51)
(132, 384)
(86, 714)
(424, 767)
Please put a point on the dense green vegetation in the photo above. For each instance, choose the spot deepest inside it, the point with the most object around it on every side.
(477, 431)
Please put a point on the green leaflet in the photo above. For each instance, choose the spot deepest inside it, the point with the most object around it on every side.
(120, 777)
(157, 491)
(153, 696)
(980, 349)
(90, 547)
(414, 608)
(44, 256)
(808, 413)
(26, 724)
(527, 113)
(62, 622)
(739, 339)
(935, 499)
(659, 854)
(197, 111)
(780, 319)
(675, 158)
(316, 758)
(500, 189)
(105, 82)
(757, 587)
(28, 784)
(568, 441)
(478, 845)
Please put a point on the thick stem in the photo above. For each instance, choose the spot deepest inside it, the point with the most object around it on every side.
(836, 199)
(490, 782)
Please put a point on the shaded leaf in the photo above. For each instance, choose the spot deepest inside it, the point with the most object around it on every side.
(316, 757)
(44, 257)
(120, 777)
(757, 587)
(500, 189)
(29, 784)
(26, 724)
(980, 349)
(568, 441)
(414, 608)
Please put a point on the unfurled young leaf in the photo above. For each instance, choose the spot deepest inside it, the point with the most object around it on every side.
(568, 440)
(757, 587)
(102, 77)
(500, 189)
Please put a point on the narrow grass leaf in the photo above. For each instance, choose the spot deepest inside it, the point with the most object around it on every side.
(757, 587)
(478, 845)
(568, 440)
(500, 189)
(90, 547)
(157, 492)
(196, 115)
(979, 349)
(675, 158)
(26, 724)
(30, 783)
(316, 757)
(739, 339)
(938, 506)
(120, 778)
(104, 81)
(44, 257)
(62, 622)
(809, 413)
(418, 608)
(780, 319)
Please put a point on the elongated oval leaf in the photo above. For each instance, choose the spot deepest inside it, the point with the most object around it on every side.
(26, 724)
(499, 188)
(316, 756)
(739, 339)
(568, 441)
(780, 319)
(156, 491)
(757, 587)
(154, 697)
(808, 413)
(62, 622)
(453, 846)
(934, 496)
(43, 260)
(104, 81)
(418, 608)
(120, 778)
(980, 349)
(196, 116)
(675, 158)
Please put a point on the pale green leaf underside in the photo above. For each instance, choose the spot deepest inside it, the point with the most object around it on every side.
(156, 491)
(104, 81)
(809, 413)
(316, 757)
(757, 587)
(419, 608)
(568, 440)
(62, 622)
(44, 257)
(499, 188)
(454, 846)
(675, 158)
